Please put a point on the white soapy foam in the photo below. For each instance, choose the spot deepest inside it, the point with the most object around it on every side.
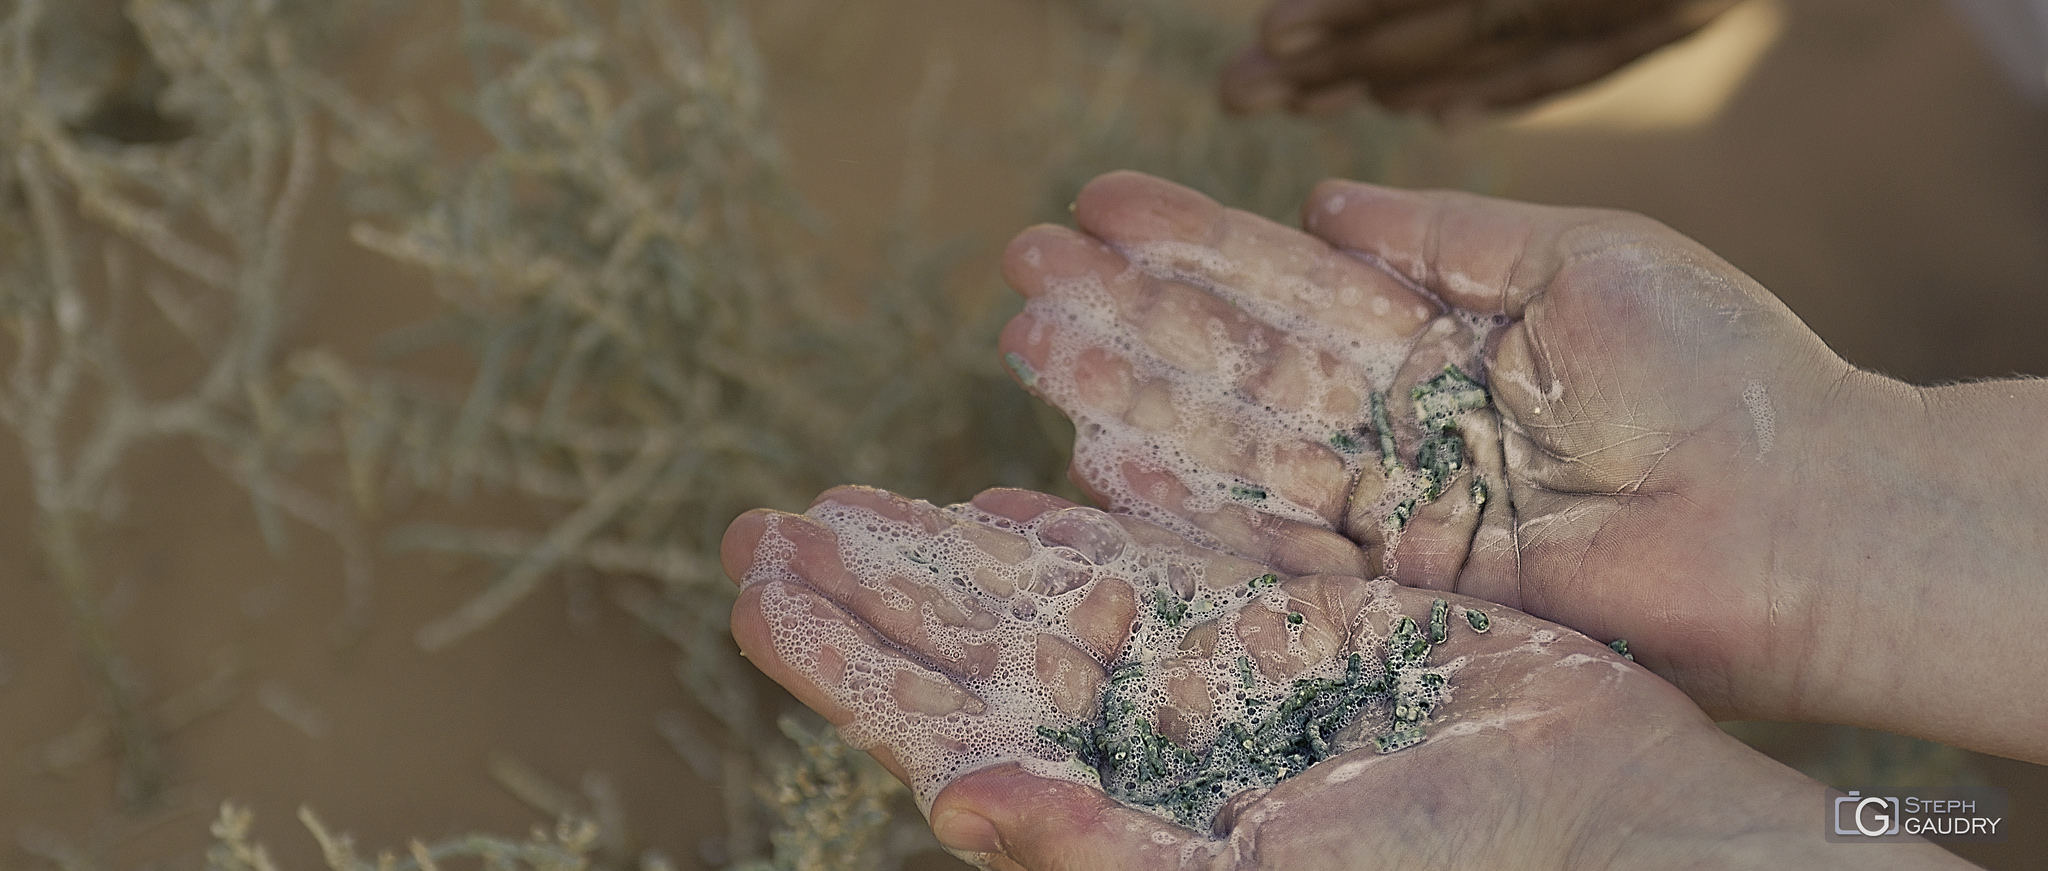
(997, 712)
(1758, 402)
(1224, 445)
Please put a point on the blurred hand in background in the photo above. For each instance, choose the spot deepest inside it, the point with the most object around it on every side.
(1444, 56)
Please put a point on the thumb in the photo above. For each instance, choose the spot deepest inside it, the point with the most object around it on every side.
(1005, 817)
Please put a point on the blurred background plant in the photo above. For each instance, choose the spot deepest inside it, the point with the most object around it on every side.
(620, 320)
(631, 339)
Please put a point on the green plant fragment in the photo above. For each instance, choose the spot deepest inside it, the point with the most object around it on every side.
(1247, 492)
(1138, 765)
(1440, 458)
(1620, 645)
(1480, 622)
(1384, 426)
(1020, 367)
(1441, 399)
(1169, 608)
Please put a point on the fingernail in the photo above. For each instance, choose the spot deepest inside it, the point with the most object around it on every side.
(966, 831)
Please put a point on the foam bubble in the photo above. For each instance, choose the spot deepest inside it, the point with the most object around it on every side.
(1265, 413)
(1183, 661)
(1757, 401)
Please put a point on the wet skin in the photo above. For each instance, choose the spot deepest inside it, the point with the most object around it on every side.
(1551, 751)
(1671, 456)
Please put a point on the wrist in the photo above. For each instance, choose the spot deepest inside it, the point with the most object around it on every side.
(1745, 810)
(1919, 544)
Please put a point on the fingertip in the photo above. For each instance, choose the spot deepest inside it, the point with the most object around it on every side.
(1043, 823)
(854, 494)
(964, 831)
(1026, 345)
(1022, 506)
(742, 538)
(1476, 253)
(1037, 260)
(751, 632)
(1126, 207)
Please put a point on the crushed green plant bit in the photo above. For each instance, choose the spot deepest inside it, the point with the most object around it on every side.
(1169, 608)
(1247, 492)
(1441, 455)
(1384, 426)
(1345, 442)
(1480, 622)
(1294, 617)
(1440, 400)
(1620, 645)
(1439, 621)
(1275, 739)
(1021, 368)
(1266, 581)
(1440, 458)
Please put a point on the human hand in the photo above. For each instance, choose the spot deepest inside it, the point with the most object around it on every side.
(1437, 55)
(1641, 471)
(942, 640)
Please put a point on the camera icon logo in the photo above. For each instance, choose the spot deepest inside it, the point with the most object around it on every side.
(1873, 816)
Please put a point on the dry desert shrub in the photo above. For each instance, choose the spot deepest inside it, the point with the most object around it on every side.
(649, 343)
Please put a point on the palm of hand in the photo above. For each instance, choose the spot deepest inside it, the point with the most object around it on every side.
(1223, 374)
(941, 639)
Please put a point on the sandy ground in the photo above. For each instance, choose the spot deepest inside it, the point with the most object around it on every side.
(1872, 168)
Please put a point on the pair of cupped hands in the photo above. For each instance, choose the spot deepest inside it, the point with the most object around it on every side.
(1668, 456)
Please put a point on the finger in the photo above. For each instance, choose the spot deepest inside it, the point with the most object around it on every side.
(1541, 71)
(741, 546)
(1022, 506)
(1428, 39)
(1249, 408)
(1432, 544)
(1280, 276)
(1491, 568)
(1290, 546)
(1257, 418)
(1083, 295)
(1045, 256)
(1037, 822)
(829, 660)
(1477, 253)
(1292, 27)
(1163, 371)
(1322, 620)
(910, 602)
